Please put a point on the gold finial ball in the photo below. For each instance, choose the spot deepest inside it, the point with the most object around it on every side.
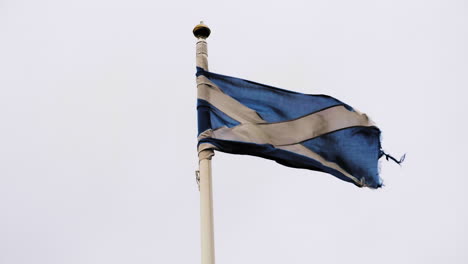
(201, 31)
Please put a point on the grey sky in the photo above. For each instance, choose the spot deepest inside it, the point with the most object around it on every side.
(98, 131)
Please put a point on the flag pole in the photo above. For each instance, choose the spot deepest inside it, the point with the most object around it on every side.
(201, 32)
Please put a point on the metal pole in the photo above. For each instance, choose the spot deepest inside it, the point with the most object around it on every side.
(202, 32)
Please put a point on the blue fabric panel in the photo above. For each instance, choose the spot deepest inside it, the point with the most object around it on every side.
(267, 151)
(216, 118)
(204, 117)
(355, 149)
(272, 104)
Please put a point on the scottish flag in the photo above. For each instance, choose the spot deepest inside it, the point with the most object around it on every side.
(315, 132)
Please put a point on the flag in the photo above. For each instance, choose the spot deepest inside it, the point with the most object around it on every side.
(315, 132)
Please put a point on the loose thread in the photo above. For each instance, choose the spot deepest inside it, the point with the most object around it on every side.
(388, 156)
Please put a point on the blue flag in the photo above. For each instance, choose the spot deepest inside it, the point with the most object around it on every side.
(315, 132)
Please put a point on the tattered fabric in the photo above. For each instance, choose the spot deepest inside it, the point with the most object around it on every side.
(315, 132)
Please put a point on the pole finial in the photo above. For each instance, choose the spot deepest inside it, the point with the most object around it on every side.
(201, 31)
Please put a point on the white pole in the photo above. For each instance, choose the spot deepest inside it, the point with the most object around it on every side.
(202, 32)
(206, 213)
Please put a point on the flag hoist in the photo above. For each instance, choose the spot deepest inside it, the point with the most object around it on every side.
(201, 32)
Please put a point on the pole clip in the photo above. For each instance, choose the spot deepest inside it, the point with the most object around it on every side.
(197, 178)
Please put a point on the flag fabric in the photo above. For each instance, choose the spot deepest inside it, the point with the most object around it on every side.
(315, 132)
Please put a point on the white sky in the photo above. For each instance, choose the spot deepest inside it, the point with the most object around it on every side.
(98, 131)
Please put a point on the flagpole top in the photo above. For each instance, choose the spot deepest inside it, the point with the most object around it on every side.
(201, 31)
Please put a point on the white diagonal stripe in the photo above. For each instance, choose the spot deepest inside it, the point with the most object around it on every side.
(294, 131)
(231, 107)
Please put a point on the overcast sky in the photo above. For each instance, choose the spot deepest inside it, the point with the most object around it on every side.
(98, 131)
